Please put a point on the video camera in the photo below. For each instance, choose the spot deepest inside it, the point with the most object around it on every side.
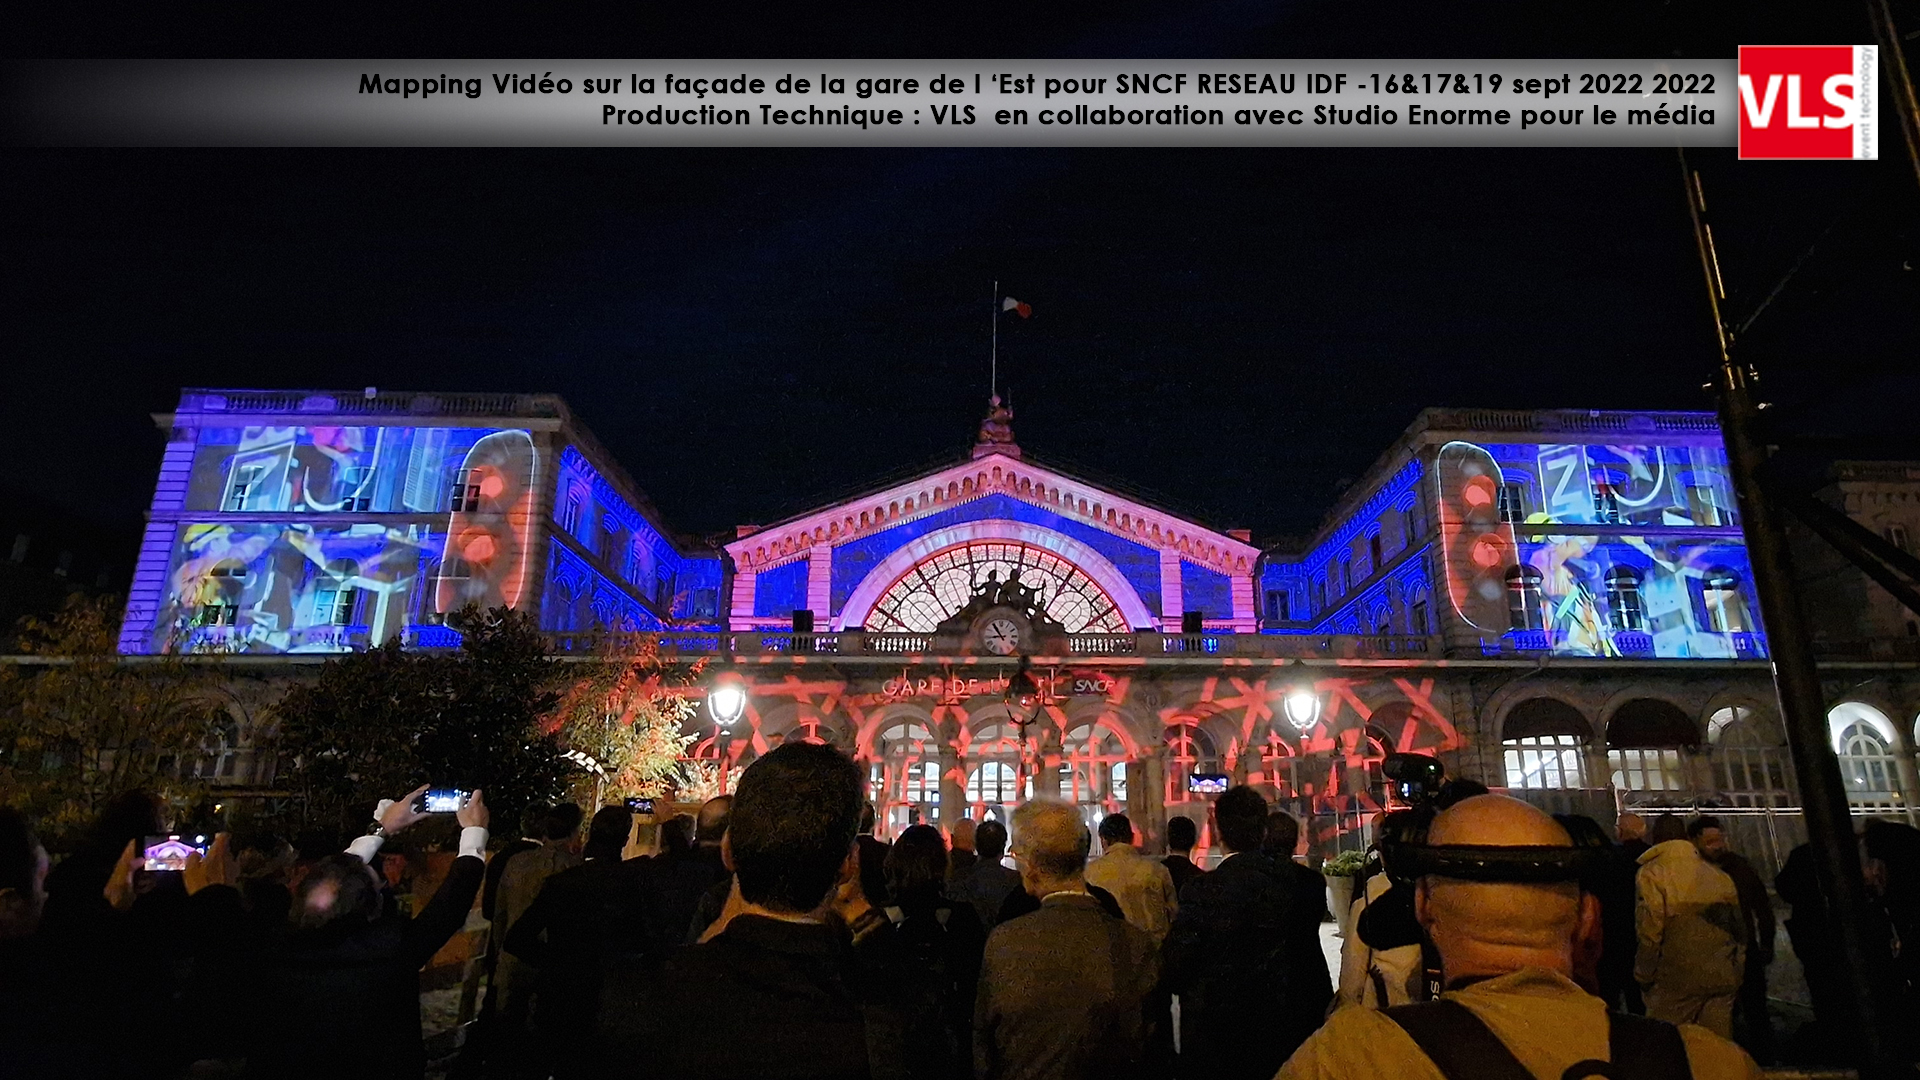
(1406, 856)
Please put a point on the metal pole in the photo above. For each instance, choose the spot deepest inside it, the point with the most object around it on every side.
(1905, 110)
(1797, 681)
(993, 389)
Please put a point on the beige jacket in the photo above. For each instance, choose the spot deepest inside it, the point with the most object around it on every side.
(1143, 886)
(1543, 1017)
(1692, 935)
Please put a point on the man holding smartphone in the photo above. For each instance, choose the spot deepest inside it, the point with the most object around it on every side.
(340, 991)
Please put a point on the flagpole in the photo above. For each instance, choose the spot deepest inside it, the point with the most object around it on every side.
(993, 362)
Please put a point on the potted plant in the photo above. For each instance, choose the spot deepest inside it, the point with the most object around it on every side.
(1342, 871)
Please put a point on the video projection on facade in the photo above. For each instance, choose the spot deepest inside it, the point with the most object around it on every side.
(271, 566)
(1652, 565)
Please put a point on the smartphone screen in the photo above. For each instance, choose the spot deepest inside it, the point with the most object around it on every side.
(639, 805)
(169, 852)
(445, 800)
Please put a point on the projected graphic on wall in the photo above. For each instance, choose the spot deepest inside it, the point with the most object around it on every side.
(449, 509)
(1654, 565)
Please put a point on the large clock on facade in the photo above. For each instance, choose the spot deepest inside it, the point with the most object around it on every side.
(1001, 636)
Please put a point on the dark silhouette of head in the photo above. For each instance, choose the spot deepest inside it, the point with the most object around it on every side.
(533, 822)
(23, 875)
(339, 889)
(916, 868)
(1667, 827)
(130, 815)
(607, 835)
(795, 815)
(868, 817)
(712, 823)
(1242, 816)
(676, 835)
(562, 822)
(990, 841)
(1456, 790)
(1182, 834)
(1116, 829)
(1709, 835)
(1283, 835)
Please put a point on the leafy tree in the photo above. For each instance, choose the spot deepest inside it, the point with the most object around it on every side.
(624, 713)
(83, 725)
(382, 722)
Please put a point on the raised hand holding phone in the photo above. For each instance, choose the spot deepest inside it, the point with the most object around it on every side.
(474, 813)
(401, 813)
(216, 867)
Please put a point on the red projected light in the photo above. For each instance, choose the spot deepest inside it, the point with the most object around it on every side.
(1489, 552)
(1477, 492)
(477, 548)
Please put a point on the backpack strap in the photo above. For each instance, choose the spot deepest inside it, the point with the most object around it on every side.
(1458, 1043)
(1641, 1049)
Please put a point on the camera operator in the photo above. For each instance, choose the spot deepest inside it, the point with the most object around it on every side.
(1499, 896)
(1385, 959)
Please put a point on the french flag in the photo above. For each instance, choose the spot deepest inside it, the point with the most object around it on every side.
(1023, 310)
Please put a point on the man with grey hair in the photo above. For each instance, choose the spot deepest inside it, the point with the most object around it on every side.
(1064, 991)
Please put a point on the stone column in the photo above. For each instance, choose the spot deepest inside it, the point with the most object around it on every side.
(953, 789)
(1171, 596)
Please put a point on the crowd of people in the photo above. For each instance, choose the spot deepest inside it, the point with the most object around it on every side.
(772, 935)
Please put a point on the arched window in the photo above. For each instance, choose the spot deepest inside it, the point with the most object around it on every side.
(1525, 609)
(904, 775)
(220, 750)
(1726, 608)
(1190, 750)
(1863, 739)
(1544, 741)
(1749, 765)
(993, 783)
(1644, 743)
(943, 583)
(1624, 604)
(1093, 772)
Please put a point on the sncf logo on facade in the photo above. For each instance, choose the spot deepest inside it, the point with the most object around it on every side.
(1808, 101)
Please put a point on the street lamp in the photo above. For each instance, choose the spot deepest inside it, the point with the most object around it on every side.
(1022, 700)
(726, 702)
(1302, 707)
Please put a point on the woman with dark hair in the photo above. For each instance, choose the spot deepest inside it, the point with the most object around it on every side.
(941, 944)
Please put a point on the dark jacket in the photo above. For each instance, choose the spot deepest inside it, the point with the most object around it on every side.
(1244, 956)
(496, 866)
(674, 885)
(873, 868)
(1065, 995)
(585, 922)
(1182, 869)
(764, 998)
(1756, 907)
(938, 947)
(986, 885)
(344, 1000)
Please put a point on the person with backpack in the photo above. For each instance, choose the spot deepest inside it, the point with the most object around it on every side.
(938, 945)
(1508, 926)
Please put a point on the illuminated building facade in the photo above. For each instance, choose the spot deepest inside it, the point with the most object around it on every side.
(317, 522)
(1554, 602)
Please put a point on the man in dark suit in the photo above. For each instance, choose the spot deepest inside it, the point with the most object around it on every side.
(779, 964)
(1064, 991)
(1182, 834)
(340, 993)
(873, 859)
(677, 881)
(1244, 956)
(986, 884)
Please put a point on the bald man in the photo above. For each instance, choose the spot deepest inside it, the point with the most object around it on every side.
(1064, 990)
(1506, 952)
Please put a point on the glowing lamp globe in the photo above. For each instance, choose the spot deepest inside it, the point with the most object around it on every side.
(726, 702)
(1302, 707)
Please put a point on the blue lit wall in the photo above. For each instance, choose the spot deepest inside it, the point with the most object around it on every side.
(1390, 597)
(618, 570)
(1140, 564)
(1205, 590)
(779, 592)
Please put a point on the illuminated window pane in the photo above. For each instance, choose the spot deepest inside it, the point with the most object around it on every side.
(942, 584)
(1545, 762)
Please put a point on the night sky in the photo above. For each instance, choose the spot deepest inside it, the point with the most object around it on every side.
(1234, 333)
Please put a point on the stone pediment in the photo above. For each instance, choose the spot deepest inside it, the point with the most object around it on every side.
(993, 473)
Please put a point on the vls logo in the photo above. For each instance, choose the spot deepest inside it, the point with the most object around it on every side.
(1808, 101)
